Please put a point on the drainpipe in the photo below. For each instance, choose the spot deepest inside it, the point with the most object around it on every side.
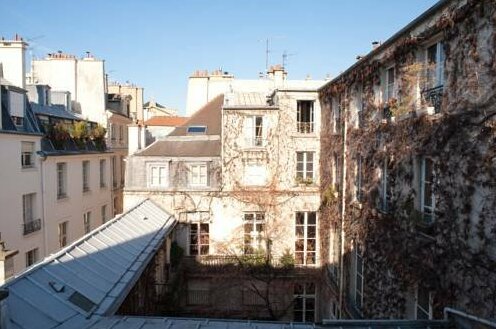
(43, 158)
(342, 213)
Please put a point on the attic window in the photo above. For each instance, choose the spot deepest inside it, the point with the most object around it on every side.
(197, 129)
(82, 302)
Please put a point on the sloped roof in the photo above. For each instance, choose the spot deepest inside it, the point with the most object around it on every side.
(183, 148)
(247, 100)
(91, 277)
(169, 121)
(209, 115)
(58, 111)
(147, 104)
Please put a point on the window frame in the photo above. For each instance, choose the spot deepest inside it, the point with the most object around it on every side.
(306, 253)
(256, 129)
(27, 154)
(306, 294)
(421, 308)
(103, 213)
(305, 127)
(254, 182)
(63, 233)
(253, 239)
(86, 175)
(61, 168)
(103, 167)
(200, 244)
(390, 87)
(32, 256)
(198, 166)
(87, 222)
(423, 207)
(438, 79)
(163, 178)
(358, 184)
(305, 174)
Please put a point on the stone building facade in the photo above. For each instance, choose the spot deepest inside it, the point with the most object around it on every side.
(408, 187)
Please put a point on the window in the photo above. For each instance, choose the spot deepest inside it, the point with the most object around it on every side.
(255, 174)
(121, 133)
(386, 187)
(336, 172)
(358, 178)
(158, 176)
(199, 239)
(87, 222)
(304, 166)
(112, 131)
(114, 172)
(359, 107)
(199, 130)
(115, 205)
(423, 305)
(390, 91)
(27, 154)
(255, 132)
(427, 199)
(358, 277)
(32, 257)
(103, 211)
(86, 176)
(123, 170)
(30, 223)
(435, 65)
(305, 117)
(337, 117)
(304, 302)
(63, 234)
(198, 174)
(103, 180)
(254, 226)
(61, 180)
(305, 238)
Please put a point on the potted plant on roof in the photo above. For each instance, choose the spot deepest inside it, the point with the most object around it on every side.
(58, 135)
(79, 132)
(97, 135)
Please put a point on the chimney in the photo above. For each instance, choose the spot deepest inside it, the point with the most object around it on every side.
(278, 75)
(13, 57)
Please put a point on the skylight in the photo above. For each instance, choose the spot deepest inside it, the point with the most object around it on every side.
(197, 129)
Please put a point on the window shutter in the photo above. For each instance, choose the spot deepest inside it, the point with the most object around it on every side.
(265, 130)
(248, 130)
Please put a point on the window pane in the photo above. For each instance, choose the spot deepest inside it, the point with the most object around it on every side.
(311, 217)
(300, 218)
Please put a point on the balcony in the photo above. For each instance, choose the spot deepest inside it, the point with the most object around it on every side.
(434, 97)
(305, 127)
(31, 226)
(198, 297)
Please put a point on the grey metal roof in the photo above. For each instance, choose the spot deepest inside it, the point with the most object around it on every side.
(186, 323)
(187, 148)
(91, 277)
(54, 111)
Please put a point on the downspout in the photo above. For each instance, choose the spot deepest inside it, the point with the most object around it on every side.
(43, 157)
(342, 212)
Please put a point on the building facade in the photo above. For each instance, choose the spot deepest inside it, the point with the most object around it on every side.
(408, 176)
(242, 177)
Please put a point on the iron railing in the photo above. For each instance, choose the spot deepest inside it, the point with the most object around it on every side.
(31, 226)
(434, 97)
(305, 127)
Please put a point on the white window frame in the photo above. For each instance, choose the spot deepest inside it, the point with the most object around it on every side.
(160, 179)
(114, 171)
(61, 180)
(254, 180)
(305, 173)
(202, 239)
(390, 87)
(254, 237)
(427, 210)
(103, 167)
(358, 278)
(63, 233)
(255, 131)
(306, 253)
(28, 202)
(420, 308)
(337, 112)
(87, 222)
(86, 175)
(307, 294)
(27, 154)
(198, 174)
(438, 80)
(305, 127)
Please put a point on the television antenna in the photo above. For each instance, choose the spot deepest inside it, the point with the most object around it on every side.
(285, 56)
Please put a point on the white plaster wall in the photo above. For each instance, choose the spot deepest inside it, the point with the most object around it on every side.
(91, 89)
(77, 202)
(12, 57)
(14, 183)
(60, 74)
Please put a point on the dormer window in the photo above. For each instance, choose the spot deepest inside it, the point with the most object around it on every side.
(197, 130)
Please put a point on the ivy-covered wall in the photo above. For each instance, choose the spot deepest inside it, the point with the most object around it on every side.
(454, 255)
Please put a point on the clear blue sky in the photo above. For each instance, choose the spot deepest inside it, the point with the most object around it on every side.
(157, 43)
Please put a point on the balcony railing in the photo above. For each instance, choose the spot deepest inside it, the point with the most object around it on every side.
(31, 226)
(434, 97)
(304, 127)
(255, 142)
(198, 297)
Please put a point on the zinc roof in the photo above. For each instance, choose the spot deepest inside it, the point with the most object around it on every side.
(91, 277)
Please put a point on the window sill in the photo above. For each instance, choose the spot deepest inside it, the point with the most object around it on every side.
(28, 168)
(86, 192)
(62, 197)
(304, 135)
(103, 187)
